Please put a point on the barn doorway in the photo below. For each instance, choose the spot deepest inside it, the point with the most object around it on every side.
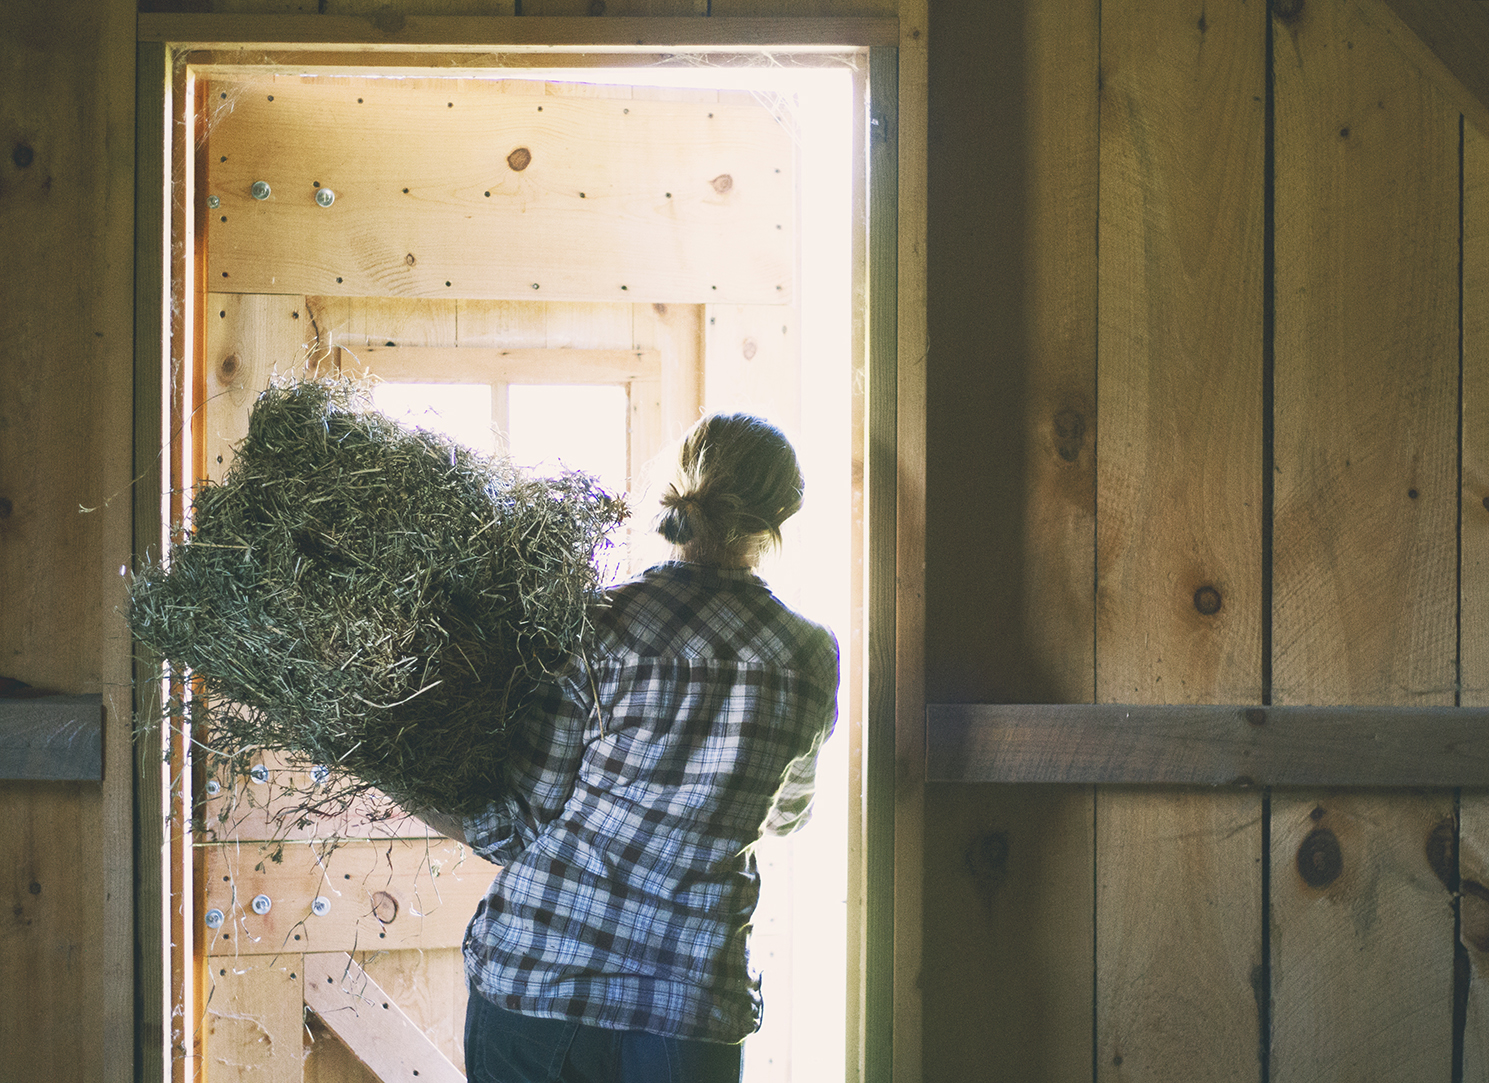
(492, 363)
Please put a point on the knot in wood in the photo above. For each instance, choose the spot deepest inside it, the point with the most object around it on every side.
(1207, 601)
(384, 907)
(520, 159)
(1070, 434)
(23, 155)
(1320, 858)
(722, 183)
(1288, 10)
(228, 370)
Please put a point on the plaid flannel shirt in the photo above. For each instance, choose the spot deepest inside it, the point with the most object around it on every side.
(639, 787)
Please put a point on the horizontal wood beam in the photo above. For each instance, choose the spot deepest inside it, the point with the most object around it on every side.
(1448, 41)
(1208, 745)
(52, 738)
(391, 30)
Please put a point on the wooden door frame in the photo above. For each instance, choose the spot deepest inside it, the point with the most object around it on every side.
(884, 968)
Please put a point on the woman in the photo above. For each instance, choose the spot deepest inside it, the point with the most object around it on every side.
(612, 943)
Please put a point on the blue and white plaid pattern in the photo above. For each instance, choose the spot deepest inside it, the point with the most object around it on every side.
(640, 786)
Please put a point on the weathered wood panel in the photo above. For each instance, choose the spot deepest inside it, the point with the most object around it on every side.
(1179, 576)
(1365, 531)
(1011, 430)
(475, 192)
(1473, 858)
(55, 738)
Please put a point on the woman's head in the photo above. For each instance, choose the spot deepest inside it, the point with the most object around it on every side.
(737, 481)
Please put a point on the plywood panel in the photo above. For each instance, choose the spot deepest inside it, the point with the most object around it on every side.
(1179, 578)
(1009, 539)
(457, 189)
(1364, 538)
(1474, 599)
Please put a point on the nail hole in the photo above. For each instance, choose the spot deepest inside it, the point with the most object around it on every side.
(1411, 494)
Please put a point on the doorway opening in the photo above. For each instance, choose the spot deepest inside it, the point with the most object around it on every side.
(501, 370)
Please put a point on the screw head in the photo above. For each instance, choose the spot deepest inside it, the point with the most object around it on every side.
(260, 190)
(321, 906)
(213, 918)
(213, 202)
(325, 197)
(213, 787)
(261, 904)
(319, 773)
(259, 773)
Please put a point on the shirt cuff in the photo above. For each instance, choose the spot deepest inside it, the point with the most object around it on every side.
(500, 831)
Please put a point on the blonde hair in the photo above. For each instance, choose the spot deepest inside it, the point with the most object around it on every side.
(738, 480)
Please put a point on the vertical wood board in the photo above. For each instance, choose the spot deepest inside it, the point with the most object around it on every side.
(458, 189)
(1010, 492)
(1365, 538)
(1179, 500)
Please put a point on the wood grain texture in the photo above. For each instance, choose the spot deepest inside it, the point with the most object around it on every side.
(1365, 536)
(1209, 745)
(406, 893)
(1362, 937)
(1447, 41)
(254, 1020)
(67, 183)
(396, 31)
(1011, 436)
(1366, 384)
(475, 192)
(54, 738)
(1009, 932)
(371, 1023)
(1473, 857)
(1179, 486)
(249, 339)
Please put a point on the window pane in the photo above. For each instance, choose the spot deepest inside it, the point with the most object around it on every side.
(460, 411)
(579, 426)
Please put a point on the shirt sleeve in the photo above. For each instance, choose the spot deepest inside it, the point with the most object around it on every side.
(792, 807)
(543, 756)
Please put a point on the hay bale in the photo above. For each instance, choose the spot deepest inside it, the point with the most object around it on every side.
(371, 599)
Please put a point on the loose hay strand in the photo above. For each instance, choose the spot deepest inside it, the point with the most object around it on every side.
(377, 600)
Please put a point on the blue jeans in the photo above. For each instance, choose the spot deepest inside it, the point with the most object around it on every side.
(505, 1047)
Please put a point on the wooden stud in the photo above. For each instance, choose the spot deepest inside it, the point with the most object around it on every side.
(1364, 578)
(1179, 577)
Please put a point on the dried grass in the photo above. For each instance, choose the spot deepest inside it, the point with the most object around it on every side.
(370, 599)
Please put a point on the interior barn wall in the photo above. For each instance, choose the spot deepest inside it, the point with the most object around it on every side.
(66, 338)
(1226, 465)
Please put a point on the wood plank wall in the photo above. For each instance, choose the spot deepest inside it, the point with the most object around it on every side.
(1225, 468)
(66, 337)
